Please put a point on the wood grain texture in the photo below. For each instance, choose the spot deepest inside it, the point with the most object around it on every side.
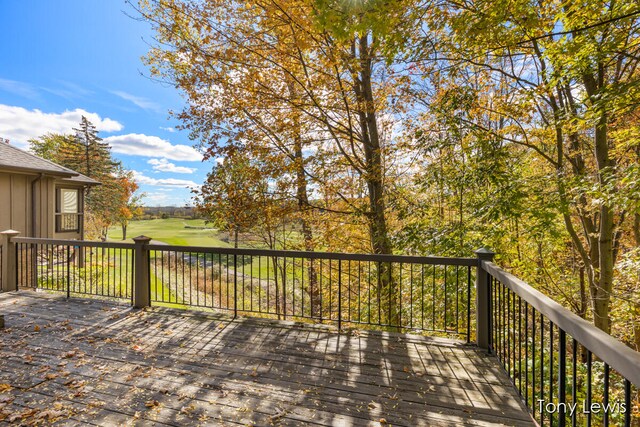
(106, 364)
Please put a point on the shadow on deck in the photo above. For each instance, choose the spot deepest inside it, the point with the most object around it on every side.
(93, 362)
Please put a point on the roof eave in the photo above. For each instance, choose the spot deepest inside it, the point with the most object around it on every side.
(33, 171)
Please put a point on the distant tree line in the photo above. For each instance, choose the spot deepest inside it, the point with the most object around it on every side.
(163, 212)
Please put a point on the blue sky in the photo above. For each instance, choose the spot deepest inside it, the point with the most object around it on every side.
(65, 58)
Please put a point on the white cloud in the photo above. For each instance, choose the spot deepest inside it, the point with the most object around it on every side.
(19, 124)
(68, 90)
(163, 165)
(139, 101)
(169, 129)
(136, 144)
(140, 178)
(156, 198)
(19, 88)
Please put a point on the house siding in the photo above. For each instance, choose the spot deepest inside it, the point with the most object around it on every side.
(14, 195)
(16, 201)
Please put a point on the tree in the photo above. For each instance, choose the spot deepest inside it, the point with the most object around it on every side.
(227, 198)
(86, 153)
(559, 97)
(306, 91)
(325, 115)
(130, 206)
(48, 146)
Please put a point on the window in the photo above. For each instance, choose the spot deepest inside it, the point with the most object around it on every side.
(67, 210)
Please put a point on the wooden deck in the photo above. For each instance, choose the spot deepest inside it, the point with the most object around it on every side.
(88, 362)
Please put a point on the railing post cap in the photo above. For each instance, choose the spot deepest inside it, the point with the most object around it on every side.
(10, 233)
(485, 254)
(142, 239)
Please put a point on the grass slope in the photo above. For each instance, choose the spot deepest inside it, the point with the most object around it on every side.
(171, 231)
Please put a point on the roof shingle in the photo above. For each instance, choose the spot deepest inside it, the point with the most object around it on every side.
(15, 159)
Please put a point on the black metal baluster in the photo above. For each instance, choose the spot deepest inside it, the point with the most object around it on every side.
(469, 308)
(605, 401)
(504, 326)
(526, 353)
(562, 377)
(235, 285)
(589, 387)
(411, 295)
(379, 290)
(284, 287)
(446, 323)
(433, 300)
(67, 263)
(520, 345)
(348, 290)
(331, 291)
(359, 291)
(492, 315)
(369, 289)
(627, 403)
(268, 286)
(550, 368)
(457, 298)
(339, 294)
(320, 287)
(533, 361)
(542, 369)
(574, 393)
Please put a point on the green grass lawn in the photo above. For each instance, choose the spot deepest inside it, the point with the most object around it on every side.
(172, 231)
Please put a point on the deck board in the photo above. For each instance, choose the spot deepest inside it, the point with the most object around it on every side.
(83, 362)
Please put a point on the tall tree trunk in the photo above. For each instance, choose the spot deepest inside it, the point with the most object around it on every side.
(302, 196)
(124, 231)
(374, 173)
(307, 232)
(605, 264)
(372, 149)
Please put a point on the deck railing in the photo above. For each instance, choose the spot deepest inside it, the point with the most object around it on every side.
(77, 268)
(403, 292)
(565, 369)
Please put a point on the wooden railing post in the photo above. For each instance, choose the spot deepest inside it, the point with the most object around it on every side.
(141, 286)
(9, 261)
(483, 313)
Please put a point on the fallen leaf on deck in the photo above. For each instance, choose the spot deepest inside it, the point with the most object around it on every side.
(151, 403)
(50, 414)
(5, 387)
(74, 383)
(188, 409)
